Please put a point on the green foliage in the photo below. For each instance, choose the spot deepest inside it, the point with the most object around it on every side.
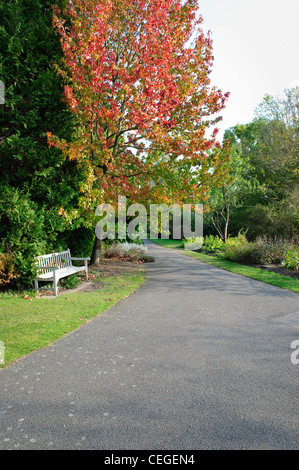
(269, 149)
(33, 93)
(263, 250)
(238, 249)
(69, 282)
(291, 259)
(22, 231)
(238, 184)
(136, 241)
(34, 178)
(78, 240)
(271, 250)
(213, 244)
(192, 243)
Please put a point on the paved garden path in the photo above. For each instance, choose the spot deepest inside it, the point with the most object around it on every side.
(197, 358)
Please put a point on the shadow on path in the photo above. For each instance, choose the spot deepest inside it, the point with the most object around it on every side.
(194, 359)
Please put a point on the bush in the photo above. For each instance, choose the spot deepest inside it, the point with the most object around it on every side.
(239, 249)
(8, 270)
(22, 232)
(213, 244)
(126, 246)
(136, 254)
(113, 251)
(147, 259)
(269, 251)
(194, 243)
(131, 251)
(128, 240)
(272, 250)
(291, 259)
(263, 250)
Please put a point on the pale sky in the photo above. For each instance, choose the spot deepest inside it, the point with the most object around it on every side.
(256, 51)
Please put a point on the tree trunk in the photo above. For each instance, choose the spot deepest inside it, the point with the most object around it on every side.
(96, 252)
(218, 228)
(226, 225)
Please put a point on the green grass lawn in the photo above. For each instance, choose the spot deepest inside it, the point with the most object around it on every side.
(255, 273)
(26, 326)
(178, 244)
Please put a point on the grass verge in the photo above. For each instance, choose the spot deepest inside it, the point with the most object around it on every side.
(178, 244)
(248, 271)
(26, 326)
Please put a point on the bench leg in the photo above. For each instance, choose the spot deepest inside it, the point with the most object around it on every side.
(55, 284)
(36, 284)
(86, 270)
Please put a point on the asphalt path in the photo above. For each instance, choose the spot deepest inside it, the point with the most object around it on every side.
(197, 358)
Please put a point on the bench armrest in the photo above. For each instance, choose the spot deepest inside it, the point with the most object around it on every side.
(80, 259)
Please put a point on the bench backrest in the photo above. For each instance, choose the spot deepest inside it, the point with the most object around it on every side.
(61, 259)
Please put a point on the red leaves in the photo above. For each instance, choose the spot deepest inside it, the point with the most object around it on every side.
(137, 88)
(72, 101)
(169, 124)
(26, 297)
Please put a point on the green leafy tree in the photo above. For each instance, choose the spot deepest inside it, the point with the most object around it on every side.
(34, 178)
(269, 147)
(223, 200)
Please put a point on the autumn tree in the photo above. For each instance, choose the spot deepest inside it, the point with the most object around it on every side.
(137, 79)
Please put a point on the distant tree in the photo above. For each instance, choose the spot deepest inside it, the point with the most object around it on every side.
(270, 146)
(227, 197)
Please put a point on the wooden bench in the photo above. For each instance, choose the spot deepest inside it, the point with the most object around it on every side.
(55, 266)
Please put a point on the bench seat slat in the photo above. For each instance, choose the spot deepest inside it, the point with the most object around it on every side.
(62, 272)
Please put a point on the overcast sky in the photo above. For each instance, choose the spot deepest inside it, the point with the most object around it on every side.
(256, 51)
